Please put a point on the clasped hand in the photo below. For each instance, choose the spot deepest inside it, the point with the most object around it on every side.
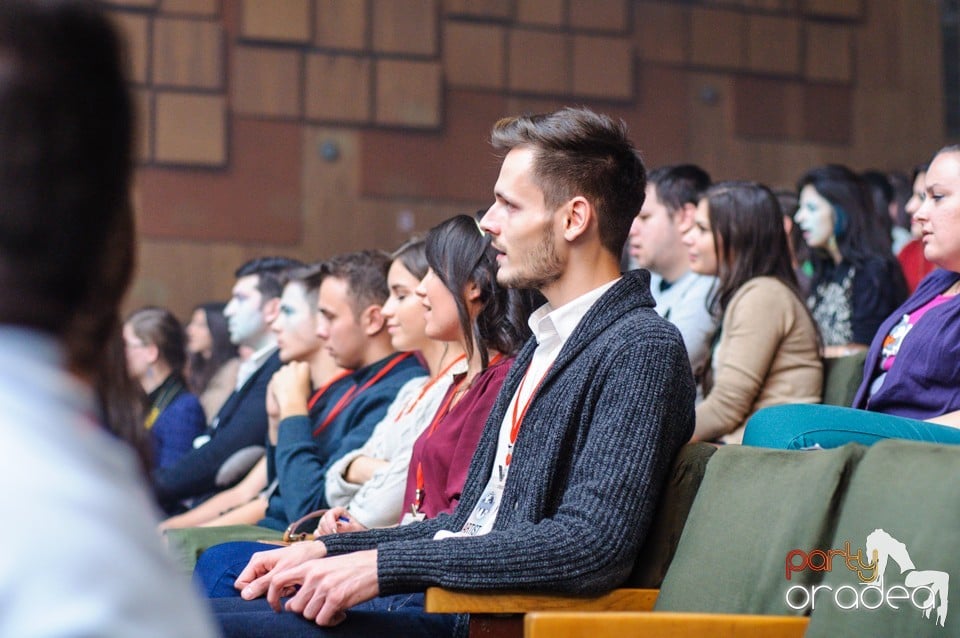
(320, 588)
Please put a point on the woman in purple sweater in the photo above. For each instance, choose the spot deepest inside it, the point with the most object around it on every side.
(911, 384)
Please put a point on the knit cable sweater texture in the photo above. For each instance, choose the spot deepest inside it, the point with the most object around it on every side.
(587, 467)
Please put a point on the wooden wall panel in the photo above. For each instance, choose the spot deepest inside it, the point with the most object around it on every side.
(187, 53)
(341, 24)
(491, 9)
(662, 32)
(286, 21)
(600, 15)
(407, 27)
(256, 200)
(143, 112)
(457, 166)
(828, 114)
(850, 9)
(408, 93)
(190, 129)
(829, 52)
(717, 38)
(136, 29)
(267, 81)
(538, 62)
(475, 55)
(338, 88)
(541, 12)
(728, 84)
(773, 45)
(202, 8)
(603, 67)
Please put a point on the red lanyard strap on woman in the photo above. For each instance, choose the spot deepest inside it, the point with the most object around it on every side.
(426, 388)
(437, 418)
(354, 392)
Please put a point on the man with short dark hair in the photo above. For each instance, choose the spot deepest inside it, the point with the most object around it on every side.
(565, 479)
(672, 194)
(234, 440)
(66, 259)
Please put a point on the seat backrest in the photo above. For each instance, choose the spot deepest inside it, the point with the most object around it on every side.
(676, 498)
(842, 377)
(753, 508)
(903, 502)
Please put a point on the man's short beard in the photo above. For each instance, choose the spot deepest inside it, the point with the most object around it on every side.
(544, 265)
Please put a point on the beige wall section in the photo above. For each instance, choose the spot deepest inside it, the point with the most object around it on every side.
(335, 124)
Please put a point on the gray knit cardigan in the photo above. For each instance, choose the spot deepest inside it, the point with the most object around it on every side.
(587, 466)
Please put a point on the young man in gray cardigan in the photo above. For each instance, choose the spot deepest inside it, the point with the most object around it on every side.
(566, 476)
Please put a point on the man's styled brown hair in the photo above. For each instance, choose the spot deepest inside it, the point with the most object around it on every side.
(579, 152)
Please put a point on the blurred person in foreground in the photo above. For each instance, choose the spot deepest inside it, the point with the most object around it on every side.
(66, 257)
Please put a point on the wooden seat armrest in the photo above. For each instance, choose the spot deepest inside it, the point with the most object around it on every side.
(565, 624)
(446, 601)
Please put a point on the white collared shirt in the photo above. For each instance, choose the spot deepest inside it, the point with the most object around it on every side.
(551, 328)
(252, 364)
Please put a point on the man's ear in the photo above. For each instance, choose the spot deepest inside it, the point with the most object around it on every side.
(683, 217)
(153, 352)
(270, 310)
(577, 218)
(372, 320)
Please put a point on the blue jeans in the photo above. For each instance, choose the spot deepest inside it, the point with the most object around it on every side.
(218, 567)
(802, 427)
(399, 615)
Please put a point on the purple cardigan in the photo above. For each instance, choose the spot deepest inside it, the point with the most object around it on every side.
(924, 380)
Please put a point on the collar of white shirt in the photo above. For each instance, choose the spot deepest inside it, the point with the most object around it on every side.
(546, 321)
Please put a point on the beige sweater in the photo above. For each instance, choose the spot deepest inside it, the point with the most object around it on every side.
(768, 355)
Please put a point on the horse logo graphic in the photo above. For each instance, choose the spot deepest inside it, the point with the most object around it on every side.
(882, 547)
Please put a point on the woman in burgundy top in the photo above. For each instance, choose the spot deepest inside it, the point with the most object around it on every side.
(465, 305)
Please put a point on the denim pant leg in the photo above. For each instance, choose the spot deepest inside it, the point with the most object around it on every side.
(398, 615)
(218, 567)
(806, 426)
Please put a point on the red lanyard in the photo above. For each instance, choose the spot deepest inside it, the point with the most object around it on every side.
(326, 386)
(426, 388)
(354, 392)
(517, 420)
(437, 418)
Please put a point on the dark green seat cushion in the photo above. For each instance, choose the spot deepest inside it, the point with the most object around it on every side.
(842, 377)
(909, 491)
(676, 498)
(753, 507)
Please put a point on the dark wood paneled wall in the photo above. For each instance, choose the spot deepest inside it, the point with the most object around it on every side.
(309, 127)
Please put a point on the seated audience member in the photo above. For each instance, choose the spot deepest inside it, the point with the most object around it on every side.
(155, 353)
(466, 309)
(767, 350)
(912, 260)
(471, 313)
(212, 362)
(902, 187)
(856, 280)
(234, 439)
(295, 330)
(602, 362)
(351, 321)
(884, 210)
(799, 251)
(656, 243)
(365, 486)
(911, 378)
(67, 249)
